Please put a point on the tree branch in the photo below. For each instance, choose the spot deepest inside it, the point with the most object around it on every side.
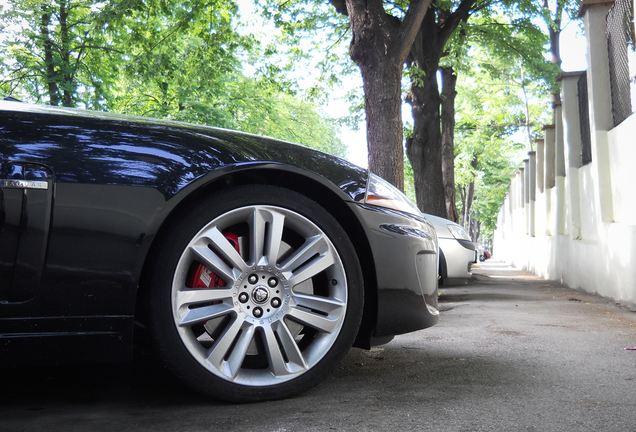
(105, 48)
(450, 24)
(341, 6)
(410, 28)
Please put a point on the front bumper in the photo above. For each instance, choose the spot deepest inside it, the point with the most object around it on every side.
(458, 256)
(404, 250)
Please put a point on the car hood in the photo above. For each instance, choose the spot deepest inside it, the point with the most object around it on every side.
(127, 150)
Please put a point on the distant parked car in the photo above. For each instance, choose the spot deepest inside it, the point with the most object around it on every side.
(457, 252)
(484, 254)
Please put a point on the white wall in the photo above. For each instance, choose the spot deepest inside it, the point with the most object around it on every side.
(581, 227)
(622, 149)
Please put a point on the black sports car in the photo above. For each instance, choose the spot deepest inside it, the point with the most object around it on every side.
(253, 264)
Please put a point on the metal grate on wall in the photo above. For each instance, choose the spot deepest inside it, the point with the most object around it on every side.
(584, 121)
(620, 39)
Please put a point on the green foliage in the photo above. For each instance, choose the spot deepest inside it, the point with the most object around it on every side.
(496, 164)
(501, 45)
(254, 109)
(313, 44)
(55, 52)
(554, 11)
(415, 75)
(490, 125)
(178, 59)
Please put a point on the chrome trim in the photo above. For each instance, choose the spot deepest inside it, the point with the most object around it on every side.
(23, 184)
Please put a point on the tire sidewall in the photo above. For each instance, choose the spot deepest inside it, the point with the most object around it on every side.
(163, 328)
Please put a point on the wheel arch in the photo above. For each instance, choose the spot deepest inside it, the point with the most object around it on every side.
(443, 269)
(305, 185)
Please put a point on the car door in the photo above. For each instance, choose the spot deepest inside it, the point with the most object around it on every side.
(26, 196)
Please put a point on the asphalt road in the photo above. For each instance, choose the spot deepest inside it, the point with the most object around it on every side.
(511, 353)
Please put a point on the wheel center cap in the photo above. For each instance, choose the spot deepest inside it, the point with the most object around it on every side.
(260, 294)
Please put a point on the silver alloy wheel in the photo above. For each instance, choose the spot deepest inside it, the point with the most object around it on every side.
(266, 302)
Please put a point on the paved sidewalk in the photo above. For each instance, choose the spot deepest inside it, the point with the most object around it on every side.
(511, 353)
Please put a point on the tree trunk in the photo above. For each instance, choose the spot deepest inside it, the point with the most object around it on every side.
(466, 219)
(555, 31)
(527, 107)
(449, 84)
(469, 202)
(383, 109)
(68, 87)
(424, 152)
(477, 231)
(555, 36)
(50, 78)
(379, 46)
(462, 196)
(424, 148)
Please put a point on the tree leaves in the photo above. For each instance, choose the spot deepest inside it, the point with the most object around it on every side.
(491, 119)
(53, 51)
(178, 59)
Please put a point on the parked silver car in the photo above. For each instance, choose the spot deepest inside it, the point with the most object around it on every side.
(457, 252)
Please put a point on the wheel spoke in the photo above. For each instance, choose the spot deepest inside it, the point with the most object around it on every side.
(287, 349)
(202, 314)
(221, 246)
(316, 321)
(213, 262)
(310, 259)
(266, 234)
(190, 297)
(228, 352)
(311, 269)
(315, 245)
(326, 305)
(274, 237)
(187, 297)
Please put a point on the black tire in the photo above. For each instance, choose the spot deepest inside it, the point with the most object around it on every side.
(269, 333)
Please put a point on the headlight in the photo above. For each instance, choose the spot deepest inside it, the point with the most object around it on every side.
(458, 232)
(382, 193)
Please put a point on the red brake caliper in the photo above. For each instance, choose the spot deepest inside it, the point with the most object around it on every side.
(202, 277)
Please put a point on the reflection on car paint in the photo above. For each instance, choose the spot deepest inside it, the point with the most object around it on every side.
(109, 151)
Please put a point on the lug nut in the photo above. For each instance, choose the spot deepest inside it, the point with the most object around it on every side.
(243, 297)
(275, 302)
(272, 282)
(252, 279)
(258, 312)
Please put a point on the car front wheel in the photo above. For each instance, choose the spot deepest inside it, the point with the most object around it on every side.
(257, 294)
